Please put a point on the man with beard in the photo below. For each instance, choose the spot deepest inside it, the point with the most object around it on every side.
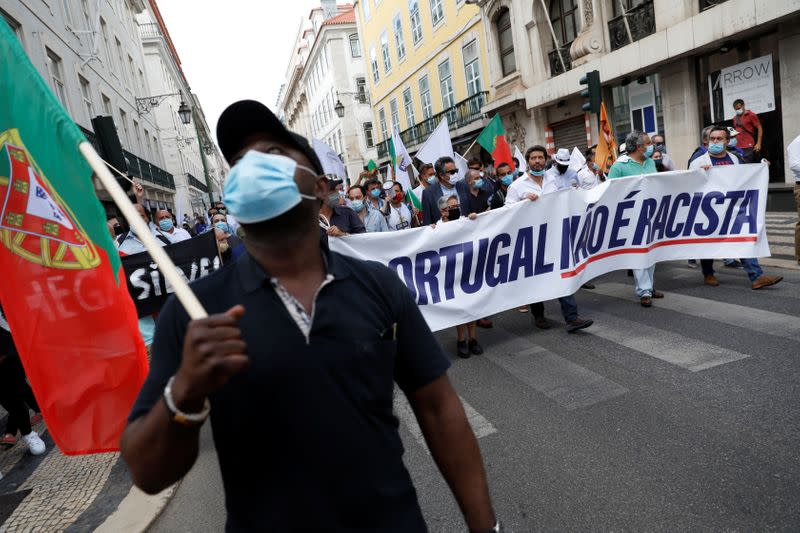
(299, 355)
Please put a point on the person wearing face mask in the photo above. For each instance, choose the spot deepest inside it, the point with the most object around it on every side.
(563, 176)
(505, 178)
(733, 143)
(533, 186)
(751, 133)
(373, 195)
(478, 198)
(397, 212)
(658, 159)
(589, 176)
(700, 150)
(660, 146)
(372, 219)
(335, 219)
(638, 161)
(425, 172)
(165, 226)
(313, 342)
(445, 183)
(233, 244)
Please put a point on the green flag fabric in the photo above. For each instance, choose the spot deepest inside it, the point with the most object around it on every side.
(488, 137)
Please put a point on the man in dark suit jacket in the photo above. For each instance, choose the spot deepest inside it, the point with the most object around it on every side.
(445, 169)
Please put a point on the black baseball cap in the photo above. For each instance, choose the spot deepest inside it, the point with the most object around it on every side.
(243, 118)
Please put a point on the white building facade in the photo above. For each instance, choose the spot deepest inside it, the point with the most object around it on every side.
(327, 68)
(663, 65)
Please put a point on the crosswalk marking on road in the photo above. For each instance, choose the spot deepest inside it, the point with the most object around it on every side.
(480, 426)
(692, 354)
(568, 384)
(757, 320)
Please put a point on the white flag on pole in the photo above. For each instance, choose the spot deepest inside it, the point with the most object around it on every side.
(523, 165)
(461, 165)
(576, 160)
(437, 145)
(331, 163)
(402, 161)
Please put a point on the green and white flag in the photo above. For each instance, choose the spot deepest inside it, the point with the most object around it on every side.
(401, 161)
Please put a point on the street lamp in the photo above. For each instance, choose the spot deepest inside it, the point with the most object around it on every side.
(339, 107)
(185, 112)
(144, 105)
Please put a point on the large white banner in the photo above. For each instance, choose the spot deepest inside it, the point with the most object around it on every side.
(752, 81)
(534, 251)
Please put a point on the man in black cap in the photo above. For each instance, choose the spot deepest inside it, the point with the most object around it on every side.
(299, 357)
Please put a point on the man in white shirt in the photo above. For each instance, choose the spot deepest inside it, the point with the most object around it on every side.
(560, 172)
(397, 213)
(166, 226)
(532, 186)
(589, 175)
(793, 160)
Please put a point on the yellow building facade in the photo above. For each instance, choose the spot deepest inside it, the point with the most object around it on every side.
(425, 59)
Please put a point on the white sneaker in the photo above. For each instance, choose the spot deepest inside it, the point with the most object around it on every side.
(35, 443)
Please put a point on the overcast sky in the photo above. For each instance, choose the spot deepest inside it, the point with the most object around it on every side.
(234, 49)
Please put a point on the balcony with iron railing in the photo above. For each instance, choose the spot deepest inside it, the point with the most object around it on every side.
(641, 21)
(458, 116)
(196, 183)
(149, 31)
(556, 67)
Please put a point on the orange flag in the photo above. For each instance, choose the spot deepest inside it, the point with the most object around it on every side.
(606, 152)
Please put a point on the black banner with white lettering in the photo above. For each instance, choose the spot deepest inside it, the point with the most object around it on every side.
(195, 258)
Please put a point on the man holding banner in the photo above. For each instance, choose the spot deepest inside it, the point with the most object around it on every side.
(278, 363)
(532, 187)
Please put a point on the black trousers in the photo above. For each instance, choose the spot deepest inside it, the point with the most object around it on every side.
(16, 396)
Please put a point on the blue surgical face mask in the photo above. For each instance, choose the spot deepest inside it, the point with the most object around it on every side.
(648, 152)
(508, 179)
(223, 226)
(536, 172)
(357, 205)
(478, 183)
(732, 143)
(716, 148)
(376, 193)
(432, 180)
(166, 224)
(595, 166)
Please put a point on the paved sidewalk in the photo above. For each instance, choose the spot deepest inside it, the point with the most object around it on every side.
(54, 492)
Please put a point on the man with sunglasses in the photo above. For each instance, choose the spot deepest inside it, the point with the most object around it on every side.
(445, 183)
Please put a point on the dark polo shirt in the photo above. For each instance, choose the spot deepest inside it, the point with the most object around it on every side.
(306, 437)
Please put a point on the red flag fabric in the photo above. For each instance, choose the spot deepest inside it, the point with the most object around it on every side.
(63, 289)
(493, 140)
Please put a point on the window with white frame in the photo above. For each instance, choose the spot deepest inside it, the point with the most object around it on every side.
(387, 59)
(437, 12)
(136, 134)
(86, 94)
(399, 42)
(373, 62)
(87, 15)
(123, 121)
(382, 120)
(67, 6)
(416, 20)
(355, 46)
(472, 69)
(395, 114)
(425, 97)
(109, 59)
(147, 142)
(55, 68)
(446, 84)
(121, 63)
(408, 106)
(361, 90)
(505, 42)
(106, 105)
(368, 136)
(365, 9)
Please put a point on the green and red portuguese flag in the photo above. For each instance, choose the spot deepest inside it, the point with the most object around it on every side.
(62, 287)
(493, 140)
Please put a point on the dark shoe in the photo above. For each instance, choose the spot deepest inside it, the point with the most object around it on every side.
(766, 281)
(646, 301)
(657, 294)
(542, 323)
(474, 347)
(589, 286)
(578, 323)
(630, 273)
(463, 351)
(484, 323)
(711, 280)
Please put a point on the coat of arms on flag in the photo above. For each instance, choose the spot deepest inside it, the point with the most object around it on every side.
(34, 222)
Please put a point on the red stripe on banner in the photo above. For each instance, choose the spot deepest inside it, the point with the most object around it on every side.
(578, 270)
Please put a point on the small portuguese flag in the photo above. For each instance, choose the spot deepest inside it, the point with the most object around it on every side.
(493, 140)
(63, 289)
(372, 166)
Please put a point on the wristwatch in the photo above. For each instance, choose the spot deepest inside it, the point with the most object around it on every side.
(185, 419)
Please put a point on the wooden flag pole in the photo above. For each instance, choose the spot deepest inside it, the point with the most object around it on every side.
(182, 291)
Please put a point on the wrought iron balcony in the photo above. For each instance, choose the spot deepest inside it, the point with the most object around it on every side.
(642, 22)
(147, 171)
(555, 62)
(149, 31)
(461, 114)
(196, 183)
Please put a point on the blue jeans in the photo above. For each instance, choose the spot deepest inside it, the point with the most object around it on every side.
(750, 265)
(644, 280)
(569, 308)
